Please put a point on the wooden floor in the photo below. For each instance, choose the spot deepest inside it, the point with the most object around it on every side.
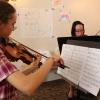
(53, 90)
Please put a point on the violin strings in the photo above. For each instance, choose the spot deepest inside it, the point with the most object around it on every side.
(61, 65)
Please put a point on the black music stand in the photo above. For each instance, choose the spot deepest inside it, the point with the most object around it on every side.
(87, 41)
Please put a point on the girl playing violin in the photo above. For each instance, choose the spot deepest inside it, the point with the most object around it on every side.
(10, 77)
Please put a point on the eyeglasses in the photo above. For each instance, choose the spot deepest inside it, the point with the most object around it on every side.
(79, 31)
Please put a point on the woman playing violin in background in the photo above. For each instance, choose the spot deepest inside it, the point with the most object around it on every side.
(10, 77)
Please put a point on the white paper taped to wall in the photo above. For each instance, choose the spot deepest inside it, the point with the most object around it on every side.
(35, 22)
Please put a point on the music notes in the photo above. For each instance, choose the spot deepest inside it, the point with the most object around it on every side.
(84, 63)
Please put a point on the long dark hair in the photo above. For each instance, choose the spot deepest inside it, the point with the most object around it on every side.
(74, 26)
(5, 11)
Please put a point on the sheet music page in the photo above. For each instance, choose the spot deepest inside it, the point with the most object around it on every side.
(90, 79)
(66, 55)
(84, 63)
(74, 57)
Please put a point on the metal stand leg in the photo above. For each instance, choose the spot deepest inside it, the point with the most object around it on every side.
(78, 94)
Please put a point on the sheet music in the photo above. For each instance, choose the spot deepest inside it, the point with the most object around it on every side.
(84, 63)
(90, 79)
(74, 57)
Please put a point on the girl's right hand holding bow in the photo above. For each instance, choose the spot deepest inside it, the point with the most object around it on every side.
(57, 60)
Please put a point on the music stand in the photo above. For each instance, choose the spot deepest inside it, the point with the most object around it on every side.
(87, 41)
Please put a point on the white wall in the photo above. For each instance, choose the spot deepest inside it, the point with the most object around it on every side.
(86, 11)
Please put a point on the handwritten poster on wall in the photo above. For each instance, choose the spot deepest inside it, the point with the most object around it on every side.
(34, 22)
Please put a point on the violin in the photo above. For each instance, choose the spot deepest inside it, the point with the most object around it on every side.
(15, 52)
